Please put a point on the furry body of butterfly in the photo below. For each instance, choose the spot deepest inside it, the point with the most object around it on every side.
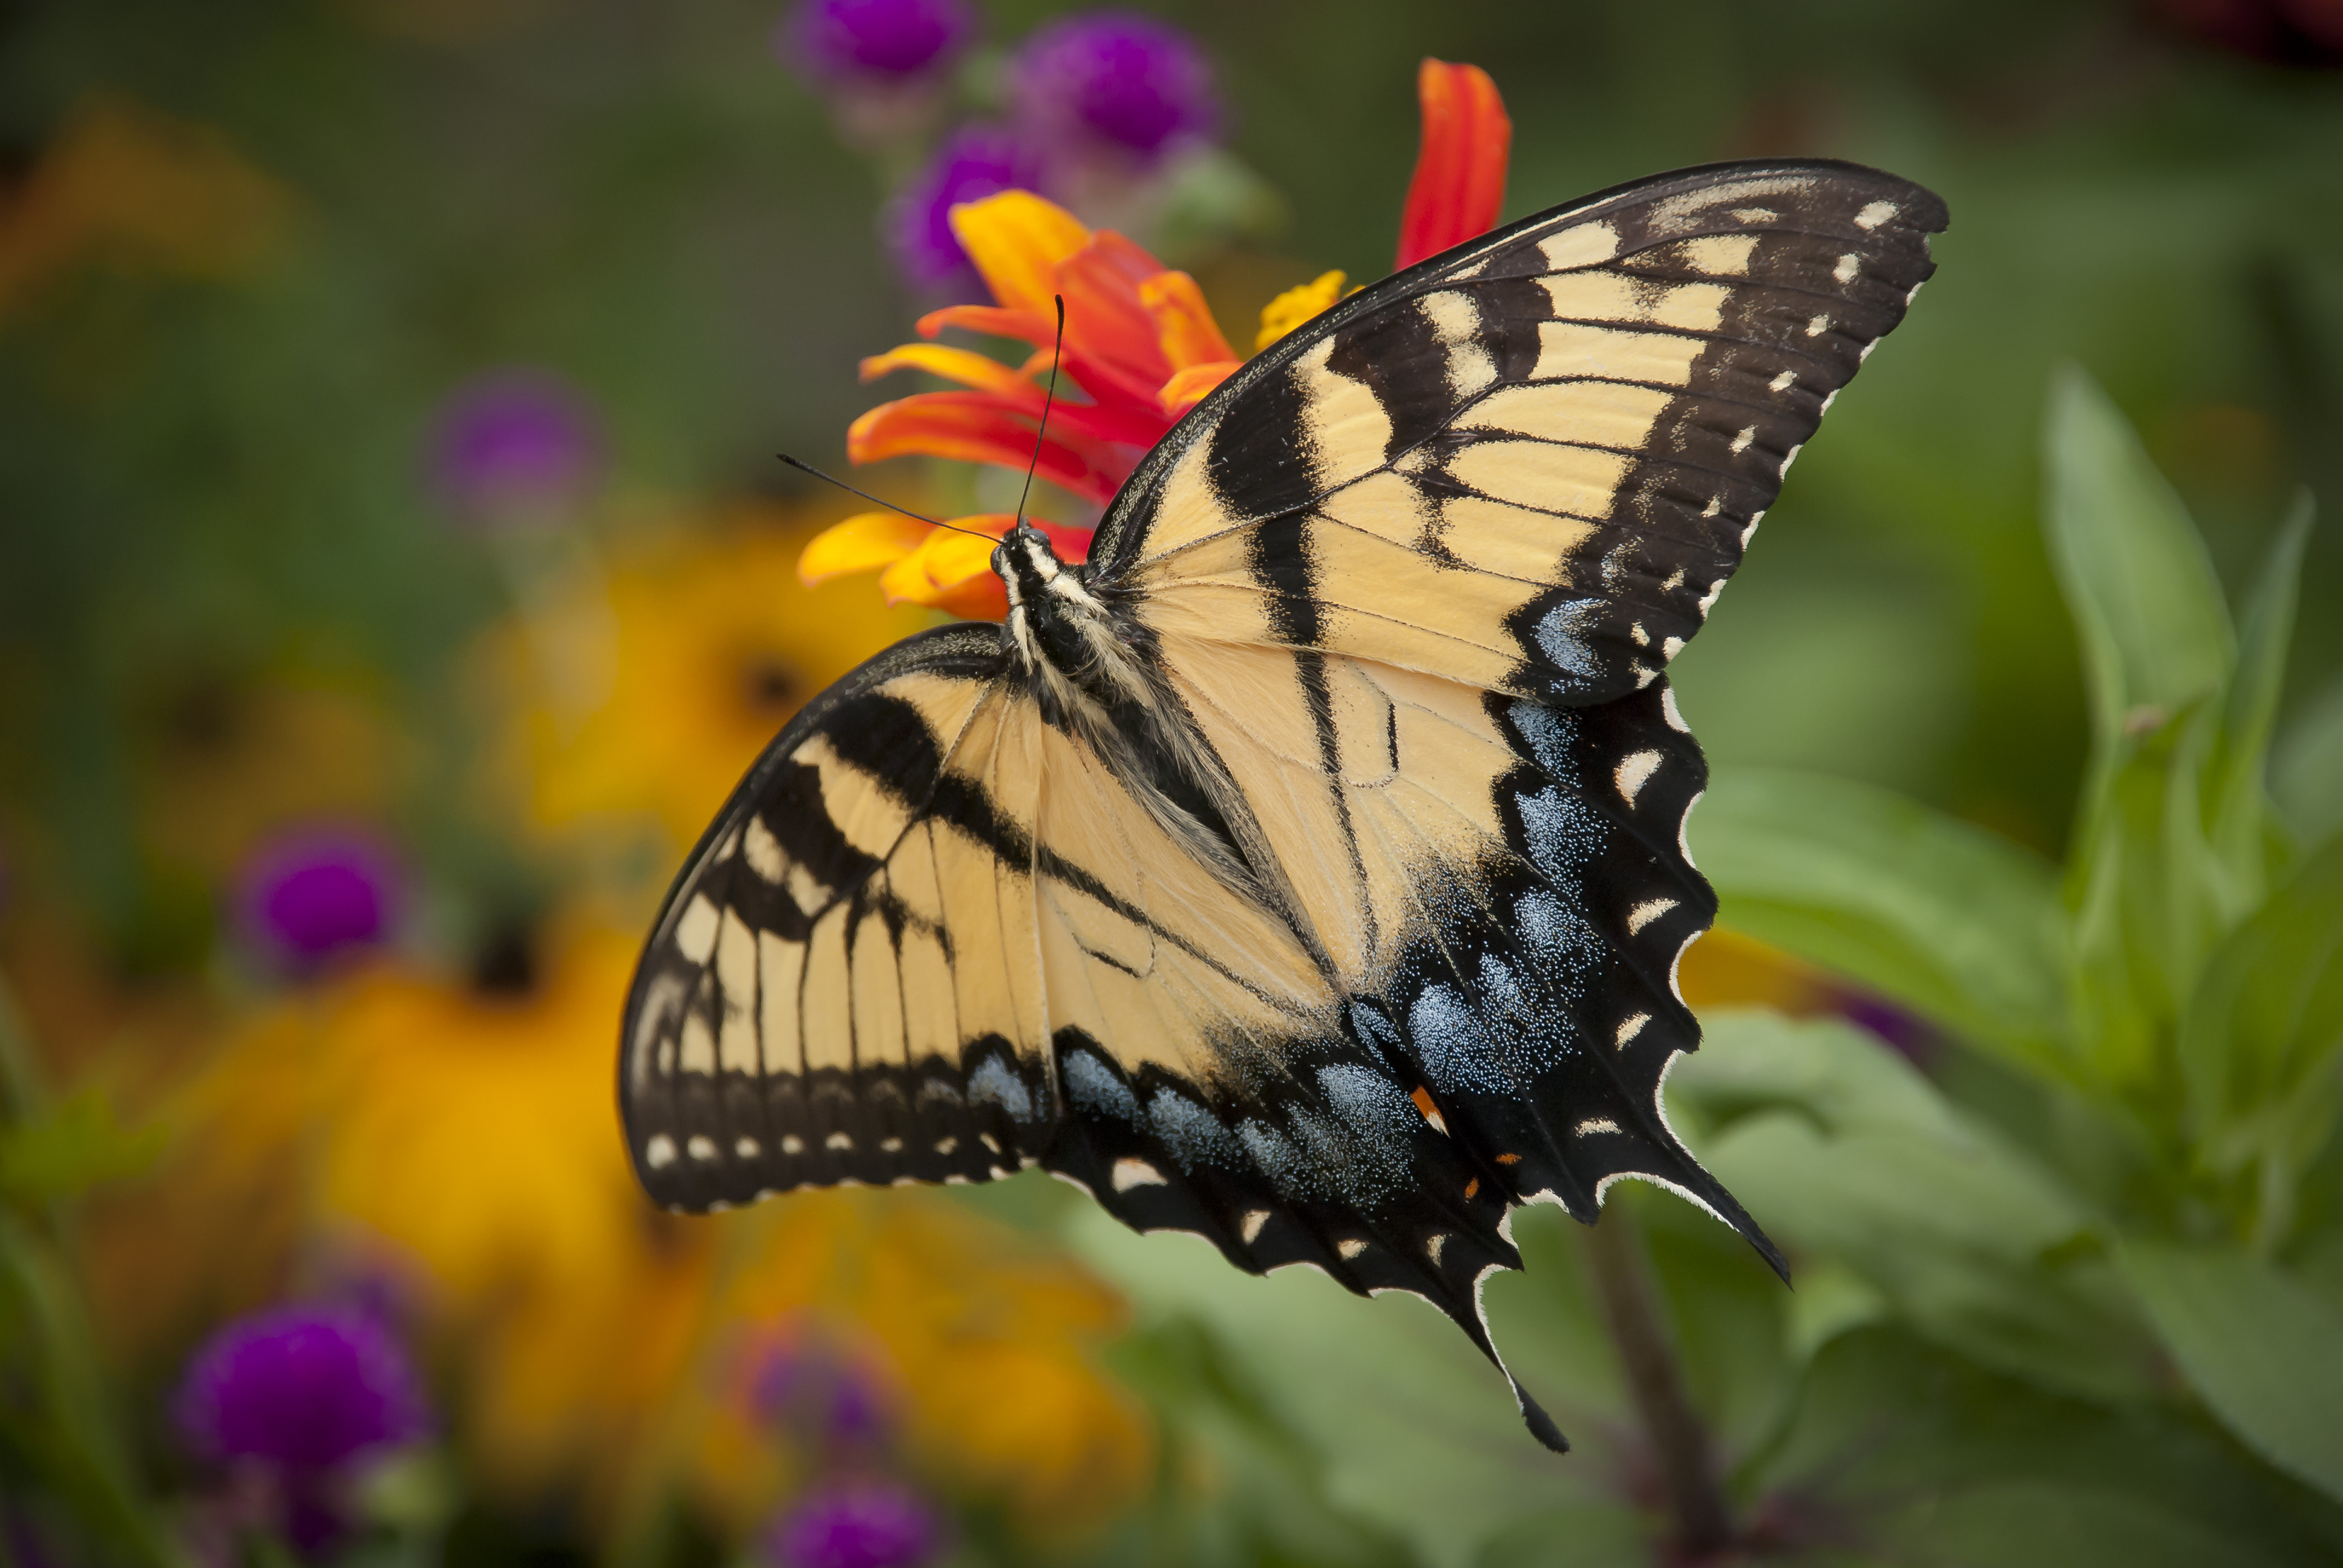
(1306, 869)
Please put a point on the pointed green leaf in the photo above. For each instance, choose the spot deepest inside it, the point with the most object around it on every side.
(2265, 1353)
(2147, 608)
(1844, 1152)
(2237, 791)
(2260, 1043)
(2307, 771)
(1930, 912)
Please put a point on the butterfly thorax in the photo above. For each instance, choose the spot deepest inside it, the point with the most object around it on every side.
(1069, 641)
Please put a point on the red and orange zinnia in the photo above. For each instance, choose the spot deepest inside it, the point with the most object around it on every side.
(1139, 349)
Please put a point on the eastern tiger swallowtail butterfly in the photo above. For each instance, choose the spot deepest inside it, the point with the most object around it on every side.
(1307, 869)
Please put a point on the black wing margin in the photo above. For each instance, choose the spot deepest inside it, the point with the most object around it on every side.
(1530, 462)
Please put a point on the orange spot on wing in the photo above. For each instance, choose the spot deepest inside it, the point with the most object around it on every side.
(1509, 1159)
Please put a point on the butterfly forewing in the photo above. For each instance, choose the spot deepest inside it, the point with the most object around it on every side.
(1531, 463)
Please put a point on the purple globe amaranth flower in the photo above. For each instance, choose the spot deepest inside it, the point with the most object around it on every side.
(857, 1525)
(833, 1397)
(866, 41)
(974, 162)
(315, 893)
(1129, 83)
(301, 1390)
(515, 444)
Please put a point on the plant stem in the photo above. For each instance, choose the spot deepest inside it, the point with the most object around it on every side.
(1679, 1442)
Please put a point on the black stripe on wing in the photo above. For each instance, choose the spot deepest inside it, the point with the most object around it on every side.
(1572, 426)
(719, 1110)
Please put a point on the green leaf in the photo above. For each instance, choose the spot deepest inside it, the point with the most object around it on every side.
(2260, 1042)
(2307, 771)
(1929, 912)
(75, 1146)
(2236, 794)
(1843, 1152)
(1915, 1450)
(2147, 608)
(2264, 1353)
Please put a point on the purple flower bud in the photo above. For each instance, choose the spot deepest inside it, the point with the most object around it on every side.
(316, 892)
(515, 444)
(1901, 1032)
(974, 162)
(302, 1390)
(864, 1524)
(1134, 84)
(833, 1398)
(839, 41)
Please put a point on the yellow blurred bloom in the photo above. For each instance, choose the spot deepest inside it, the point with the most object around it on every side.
(679, 665)
(1296, 306)
(1725, 969)
(124, 182)
(990, 1337)
(468, 1138)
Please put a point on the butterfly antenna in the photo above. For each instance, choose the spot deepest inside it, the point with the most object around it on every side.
(1057, 352)
(853, 490)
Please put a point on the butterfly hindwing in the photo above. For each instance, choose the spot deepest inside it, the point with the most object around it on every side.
(1533, 462)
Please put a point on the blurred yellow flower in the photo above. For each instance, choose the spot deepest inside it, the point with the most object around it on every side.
(677, 667)
(121, 182)
(466, 1139)
(990, 1336)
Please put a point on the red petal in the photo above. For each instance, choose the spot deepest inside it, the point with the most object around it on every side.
(1460, 170)
(975, 428)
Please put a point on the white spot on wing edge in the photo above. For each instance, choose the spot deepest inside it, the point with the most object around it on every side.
(1594, 1124)
(1432, 1246)
(659, 1152)
(1749, 531)
(1849, 266)
(1630, 1030)
(1748, 433)
(1349, 1247)
(696, 928)
(1250, 1226)
(1670, 712)
(746, 1148)
(1644, 913)
(1819, 325)
(1872, 215)
(1684, 828)
(1128, 1173)
(1634, 772)
(701, 1146)
(1782, 382)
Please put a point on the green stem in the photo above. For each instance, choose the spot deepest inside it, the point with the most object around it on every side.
(1701, 1522)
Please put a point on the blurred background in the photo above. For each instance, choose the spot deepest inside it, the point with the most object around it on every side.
(396, 573)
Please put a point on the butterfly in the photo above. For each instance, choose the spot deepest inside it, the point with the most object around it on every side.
(1306, 869)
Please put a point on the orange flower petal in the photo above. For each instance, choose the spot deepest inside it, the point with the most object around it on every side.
(1460, 170)
(974, 427)
(994, 322)
(963, 366)
(1188, 387)
(1017, 240)
(862, 543)
(1185, 327)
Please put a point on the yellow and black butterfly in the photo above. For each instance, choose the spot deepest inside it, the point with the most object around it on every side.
(1307, 869)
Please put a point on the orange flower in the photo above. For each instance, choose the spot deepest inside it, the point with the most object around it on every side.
(1139, 349)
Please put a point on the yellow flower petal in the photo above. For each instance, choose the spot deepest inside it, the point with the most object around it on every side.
(936, 574)
(1296, 306)
(864, 542)
(1017, 240)
(964, 366)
